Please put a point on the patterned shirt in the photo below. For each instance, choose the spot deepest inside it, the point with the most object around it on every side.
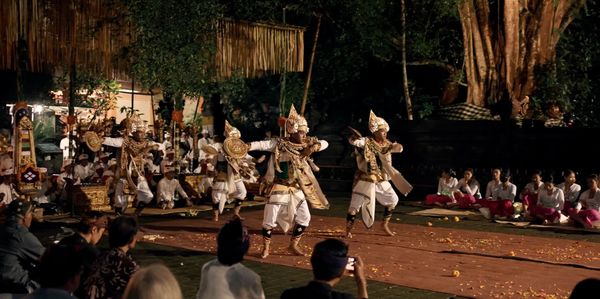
(110, 274)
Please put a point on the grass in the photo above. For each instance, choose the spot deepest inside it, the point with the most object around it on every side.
(187, 264)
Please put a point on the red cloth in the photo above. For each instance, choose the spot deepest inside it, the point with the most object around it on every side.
(433, 198)
(502, 207)
(549, 214)
(465, 201)
(530, 200)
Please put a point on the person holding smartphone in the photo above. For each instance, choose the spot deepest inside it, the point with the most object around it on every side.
(330, 261)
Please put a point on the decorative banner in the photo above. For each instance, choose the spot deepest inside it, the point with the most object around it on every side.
(28, 175)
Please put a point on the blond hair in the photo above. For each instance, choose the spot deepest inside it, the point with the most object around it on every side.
(153, 282)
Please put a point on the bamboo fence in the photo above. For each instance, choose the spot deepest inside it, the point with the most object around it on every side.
(93, 34)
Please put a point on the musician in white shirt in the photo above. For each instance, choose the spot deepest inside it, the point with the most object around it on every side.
(83, 171)
(166, 190)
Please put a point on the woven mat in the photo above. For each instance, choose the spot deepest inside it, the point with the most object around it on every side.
(439, 212)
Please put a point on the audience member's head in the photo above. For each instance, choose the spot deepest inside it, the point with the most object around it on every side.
(20, 211)
(93, 224)
(153, 282)
(592, 181)
(448, 173)
(505, 178)
(585, 289)
(536, 175)
(122, 232)
(60, 268)
(329, 259)
(232, 242)
(548, 180)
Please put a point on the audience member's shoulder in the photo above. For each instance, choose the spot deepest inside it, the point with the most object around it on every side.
(247, 271)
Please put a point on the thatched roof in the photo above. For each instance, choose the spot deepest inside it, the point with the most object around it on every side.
(57, 31)
(94, 32)
(254, 48)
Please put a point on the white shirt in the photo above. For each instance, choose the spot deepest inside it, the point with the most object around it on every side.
(166, 189)
(64, 146)
(9, 194)
(471, 189)
(143, 190)
(204, 141)
(531, 188)
(6, 163)
(503, 194)
(447, 187)
(83, 172)
(591, 203)
(491, 187)
(219, 281)
(555, 200)
(572, 194)
(164, 163)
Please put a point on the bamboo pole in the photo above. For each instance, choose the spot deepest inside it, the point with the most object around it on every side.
(310, 67)
(409, 108)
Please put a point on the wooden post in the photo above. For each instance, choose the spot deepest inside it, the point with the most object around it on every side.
(409, 108)
(310, 67)
(132, 94)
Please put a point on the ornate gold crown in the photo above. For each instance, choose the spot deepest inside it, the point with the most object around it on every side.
(231, 131)
(377, 123)
(295, 122)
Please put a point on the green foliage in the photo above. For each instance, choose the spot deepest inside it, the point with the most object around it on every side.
(573, 81)
(174, 44)
(93, 90)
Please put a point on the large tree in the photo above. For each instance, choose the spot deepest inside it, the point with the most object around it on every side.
(505, 42)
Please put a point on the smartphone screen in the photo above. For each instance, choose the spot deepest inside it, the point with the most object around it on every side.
(350, 264)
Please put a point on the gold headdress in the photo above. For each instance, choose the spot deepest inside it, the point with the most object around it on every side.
(231, 131)
(234, 146)
(295, 122)
(377, 123)
(135, 124)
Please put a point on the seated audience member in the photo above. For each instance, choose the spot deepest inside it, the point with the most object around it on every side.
(550, 202)
(153, 282)
(225, 277)
(329, 261)
(500, 203)
(110, 273)
(60, 271)
(586, 289)
(493, 184)
(20, 250)
(446, 188)
(468, 190)
(589, 216)
(89, 232)
(571, 190)
(529, 195)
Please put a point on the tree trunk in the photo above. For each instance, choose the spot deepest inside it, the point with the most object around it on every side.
(409, 108)
(504, 62)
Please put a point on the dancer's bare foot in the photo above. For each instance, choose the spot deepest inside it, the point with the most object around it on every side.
(295, 248)
(386, 228)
